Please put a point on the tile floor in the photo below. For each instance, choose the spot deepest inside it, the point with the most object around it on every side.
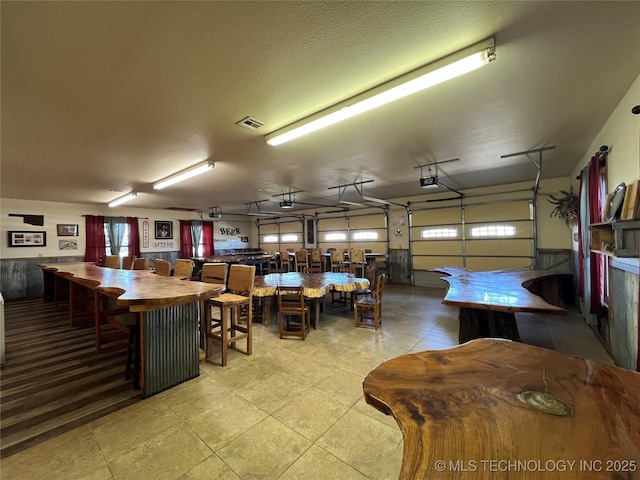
(293, 410)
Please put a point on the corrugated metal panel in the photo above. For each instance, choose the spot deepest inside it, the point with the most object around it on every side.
(170, 339)
(22, 277)
(623, 309)
(560, 261)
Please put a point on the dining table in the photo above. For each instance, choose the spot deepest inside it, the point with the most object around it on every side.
(315, 287)
(498, 409)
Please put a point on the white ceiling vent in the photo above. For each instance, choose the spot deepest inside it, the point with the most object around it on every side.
(250, 123)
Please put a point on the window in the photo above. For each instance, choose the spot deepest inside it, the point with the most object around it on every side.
(365, 236)
(493, 231)
(270, 239)
(290, 237)
(439, 233)
(335, 237)
(124, 248)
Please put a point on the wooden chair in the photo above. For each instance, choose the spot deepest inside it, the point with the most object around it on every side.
(317, 264)
(291, 306)
(285, 263)
(141, 264)
(338, 263)
(214, 273)
(112, 261)
(302, 260)
(357, 261)
(235, 306)
(369, 274)
(183, 269)
(127, 262)
(163, 267)
(368, 311)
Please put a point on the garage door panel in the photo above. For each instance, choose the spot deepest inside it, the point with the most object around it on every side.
(499, 248)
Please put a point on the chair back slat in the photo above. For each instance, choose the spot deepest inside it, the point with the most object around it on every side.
(183, 269)
(127, 262)
(112, 261)
(140, 264)
(241, 279)
(162, 267)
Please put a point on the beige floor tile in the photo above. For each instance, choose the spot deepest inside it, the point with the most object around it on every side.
(126, 432)
(212, 468)
(342, 386)
(265, 451)
(318, 464)
(311, 413)
(272, 392)
(199, 397)
(164, 457)
(363, 407)
(77, 457)
(225, 420)
(361, 441)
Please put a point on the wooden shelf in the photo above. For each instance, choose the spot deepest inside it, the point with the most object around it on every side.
(618, 238)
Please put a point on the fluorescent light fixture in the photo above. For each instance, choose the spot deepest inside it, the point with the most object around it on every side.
(454, 65)
(184, 174)
(123, 199)
(286, 204)
(374, 199)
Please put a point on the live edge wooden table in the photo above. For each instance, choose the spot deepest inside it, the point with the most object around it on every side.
(488, 301)
(315, 286)
(166, 308)
(497, 409)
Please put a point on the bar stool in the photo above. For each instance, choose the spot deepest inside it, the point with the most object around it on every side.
(235, 306)
(368, 311)
(162, 267)
(183, 269)
(291, 305)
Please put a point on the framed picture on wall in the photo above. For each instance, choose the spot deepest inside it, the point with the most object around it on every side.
(27, 239)
(67, 230)
(311, 232)
(163, 229)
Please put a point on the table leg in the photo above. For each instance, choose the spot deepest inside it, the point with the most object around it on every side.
(476, 323)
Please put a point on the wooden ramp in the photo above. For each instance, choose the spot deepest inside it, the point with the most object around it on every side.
(53, 380)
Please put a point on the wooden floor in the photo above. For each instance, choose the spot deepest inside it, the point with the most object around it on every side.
(53, 380)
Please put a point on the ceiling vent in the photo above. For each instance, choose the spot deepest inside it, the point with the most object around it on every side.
(182, 209)
(250, 123)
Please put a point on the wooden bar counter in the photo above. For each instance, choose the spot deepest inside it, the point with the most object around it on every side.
(497, 409)
(166, 308)
(488, 301)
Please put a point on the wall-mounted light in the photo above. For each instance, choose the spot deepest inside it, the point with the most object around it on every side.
(452, 66)
(123, 199)
(184, 174)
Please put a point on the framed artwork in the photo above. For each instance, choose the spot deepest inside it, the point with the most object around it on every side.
(70, 244)
(27, 239)
(67, 230)
(163, 229)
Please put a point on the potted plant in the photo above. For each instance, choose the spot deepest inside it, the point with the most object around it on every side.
(566, 206)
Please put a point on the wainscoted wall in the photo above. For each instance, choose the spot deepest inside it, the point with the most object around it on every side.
(623, 311)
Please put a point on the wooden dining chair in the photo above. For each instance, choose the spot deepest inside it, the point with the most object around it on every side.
(338, 263)
(127, 262)
(162, 267)
(228, 317)
(285, 262)
(357, 261)
(317, 261)
(302, 260)
(112, 261)
(140, 264)
(295, 316)
(369, 274)
(183, 269)
(367, 311)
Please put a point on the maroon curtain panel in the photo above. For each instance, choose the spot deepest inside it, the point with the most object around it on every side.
(207, 239)
(595, 213)
(186, 243)
(134, 236)
(96, 248)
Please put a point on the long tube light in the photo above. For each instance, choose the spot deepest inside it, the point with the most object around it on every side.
(184, 174)
(123, 199)
(452, 66)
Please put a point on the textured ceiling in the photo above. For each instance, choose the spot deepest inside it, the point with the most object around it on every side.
(100, 98)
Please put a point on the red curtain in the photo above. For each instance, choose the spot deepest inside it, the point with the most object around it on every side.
(134, 236)
(95, 242)
(186, 243)
(207, 239)
(580, 246)
(595, 215)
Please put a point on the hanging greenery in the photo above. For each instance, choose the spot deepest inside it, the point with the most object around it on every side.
(566, 206)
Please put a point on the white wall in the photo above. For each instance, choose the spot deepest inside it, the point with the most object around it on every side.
(227, 233)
